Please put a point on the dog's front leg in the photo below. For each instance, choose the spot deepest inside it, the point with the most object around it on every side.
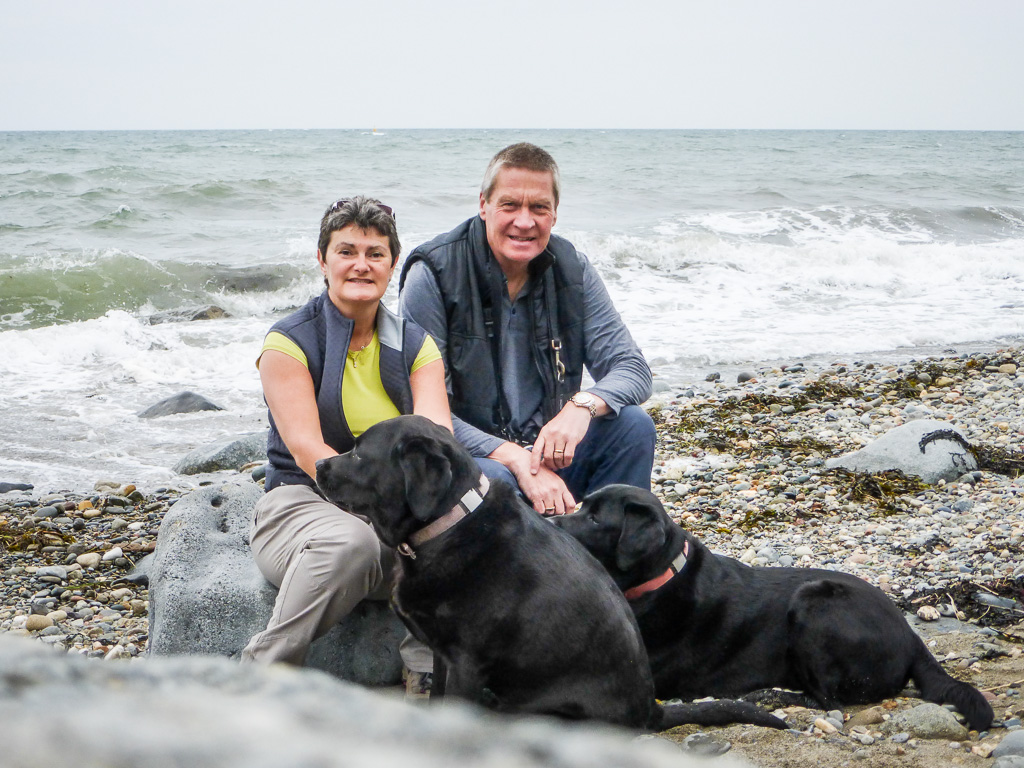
(439, 685)
(465, 681)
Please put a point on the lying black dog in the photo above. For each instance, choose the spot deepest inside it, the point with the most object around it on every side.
(525, 620)
(716, 627)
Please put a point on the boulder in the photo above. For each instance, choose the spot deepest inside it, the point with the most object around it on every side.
(932, 450)
(208, 597)
(5, 487)
(187, 315)
(205, 712)
(1012, 745)
(224, 454)
(926, 721)
(183, 402)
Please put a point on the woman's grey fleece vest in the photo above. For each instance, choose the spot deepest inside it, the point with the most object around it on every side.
(323, 334)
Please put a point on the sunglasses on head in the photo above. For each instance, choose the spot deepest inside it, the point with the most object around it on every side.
(337, 205)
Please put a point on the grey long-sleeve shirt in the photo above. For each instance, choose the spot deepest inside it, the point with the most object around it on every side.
(620, 372)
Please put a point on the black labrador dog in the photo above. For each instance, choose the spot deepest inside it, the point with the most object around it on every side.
(523, 617)
(716, 627)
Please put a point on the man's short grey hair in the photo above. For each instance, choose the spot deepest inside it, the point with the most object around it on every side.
(528, 157)
(365, 213)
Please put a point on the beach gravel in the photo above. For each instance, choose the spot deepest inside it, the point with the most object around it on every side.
(743, 465)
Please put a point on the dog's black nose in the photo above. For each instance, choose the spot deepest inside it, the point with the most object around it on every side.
(320, 465)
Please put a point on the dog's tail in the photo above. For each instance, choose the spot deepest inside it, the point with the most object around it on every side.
(938, 687)
(718, 712)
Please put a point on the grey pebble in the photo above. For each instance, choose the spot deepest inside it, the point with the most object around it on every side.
(705, 745)
(53, 571)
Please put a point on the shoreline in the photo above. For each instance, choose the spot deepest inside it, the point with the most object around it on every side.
(669, 381)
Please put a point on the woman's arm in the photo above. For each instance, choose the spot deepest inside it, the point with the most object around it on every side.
(429, 397)
(288, 389)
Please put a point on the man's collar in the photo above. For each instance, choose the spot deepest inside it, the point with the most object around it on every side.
(470, 500)
(649, 586)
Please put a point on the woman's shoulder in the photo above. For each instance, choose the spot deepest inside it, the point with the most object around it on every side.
(308, 313)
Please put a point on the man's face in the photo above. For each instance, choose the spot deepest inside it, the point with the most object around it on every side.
(519, 216)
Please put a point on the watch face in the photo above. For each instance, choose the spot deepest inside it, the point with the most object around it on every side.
(585, 400)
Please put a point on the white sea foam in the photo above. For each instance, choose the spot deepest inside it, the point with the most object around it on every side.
(698, 297)
(72, 392)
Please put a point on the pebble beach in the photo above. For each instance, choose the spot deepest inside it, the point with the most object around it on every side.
(740, 462)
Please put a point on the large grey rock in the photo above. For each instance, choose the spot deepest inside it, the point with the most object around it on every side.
(926, 721)
(1011, 745)
(224, 454)
(208, 597)
(932, 450)
(189, 314)
(204, 712)
(5, 487)
(183, 402)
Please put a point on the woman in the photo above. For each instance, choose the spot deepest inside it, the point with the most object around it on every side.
(340, 364)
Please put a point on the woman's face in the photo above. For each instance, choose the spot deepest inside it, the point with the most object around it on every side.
(357, 266)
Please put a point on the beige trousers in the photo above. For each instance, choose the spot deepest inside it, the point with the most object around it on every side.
(323, 561)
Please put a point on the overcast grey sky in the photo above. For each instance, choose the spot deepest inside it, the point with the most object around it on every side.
(131, 64)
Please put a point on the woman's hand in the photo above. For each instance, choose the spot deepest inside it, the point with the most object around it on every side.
(545, 490)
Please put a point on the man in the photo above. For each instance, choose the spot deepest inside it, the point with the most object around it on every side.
(517, 314)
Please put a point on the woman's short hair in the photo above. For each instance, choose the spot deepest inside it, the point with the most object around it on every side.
(526, 156)
(365, 213)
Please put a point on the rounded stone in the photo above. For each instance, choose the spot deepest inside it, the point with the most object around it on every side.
(35, 623)
(89, 559)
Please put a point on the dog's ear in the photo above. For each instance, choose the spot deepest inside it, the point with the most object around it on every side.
(642, 532)
(427, 473)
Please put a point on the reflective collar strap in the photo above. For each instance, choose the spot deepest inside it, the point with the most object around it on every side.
(470, 500)
(649, 586)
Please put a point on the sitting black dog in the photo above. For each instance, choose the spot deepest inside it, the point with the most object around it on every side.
(716, 627)
(525, 620)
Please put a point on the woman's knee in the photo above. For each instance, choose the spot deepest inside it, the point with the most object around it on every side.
(356, 552)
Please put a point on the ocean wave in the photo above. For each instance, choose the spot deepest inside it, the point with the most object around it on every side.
(697, 295)
(63, 288)
(123, 216)
(799, 226)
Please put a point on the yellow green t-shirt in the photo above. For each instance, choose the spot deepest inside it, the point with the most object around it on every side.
(363, 396)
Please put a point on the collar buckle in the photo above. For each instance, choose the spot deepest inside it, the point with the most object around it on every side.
(470, 500)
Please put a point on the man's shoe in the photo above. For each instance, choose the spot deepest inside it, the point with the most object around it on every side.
(417, 685)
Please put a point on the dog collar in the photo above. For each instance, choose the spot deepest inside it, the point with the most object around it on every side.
(649, 586)
(470, 500)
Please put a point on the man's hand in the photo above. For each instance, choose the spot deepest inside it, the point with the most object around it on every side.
(555, 446)
(545, 490)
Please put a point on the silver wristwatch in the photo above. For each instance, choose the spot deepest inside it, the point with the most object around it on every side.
(585, 400)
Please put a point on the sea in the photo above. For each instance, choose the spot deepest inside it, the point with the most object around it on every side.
(723, 250)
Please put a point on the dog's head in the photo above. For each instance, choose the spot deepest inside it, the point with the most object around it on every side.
(401, 474)
(625, 528)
